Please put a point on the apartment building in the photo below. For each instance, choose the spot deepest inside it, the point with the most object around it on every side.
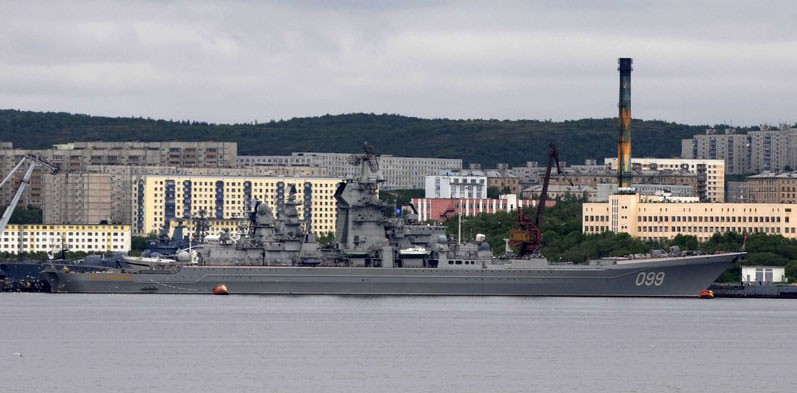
(710, 173)
(768, 149)
(466, 183)
(400, 172)
(101, 193)
(52, 238)
(772, 187)
(78, 156)
(502, 179)
(648, 218)
(729, 146)
(158, 198)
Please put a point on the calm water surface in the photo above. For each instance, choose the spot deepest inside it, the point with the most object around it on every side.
(186, 343)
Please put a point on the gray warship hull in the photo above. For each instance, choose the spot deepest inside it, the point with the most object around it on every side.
(663, 277)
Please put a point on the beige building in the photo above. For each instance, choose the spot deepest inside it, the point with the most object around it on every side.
(157, 198)
(79, 198)
(649, 219)
(505, 181)
(52, 238)
(711, 189)
(772, 187)
(78, 156)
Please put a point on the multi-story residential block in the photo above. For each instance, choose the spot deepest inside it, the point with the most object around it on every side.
(79, 198)
(52, 238)
(528, 175)
(772, 187)
(68, 200)
(650, 219)
(729, 146)
(773, 149)
(502, 179)
(769, 149)
(441, 209)
(399, 172)
(158, 198)
(78, 156)
(466, 183)
(710, 173)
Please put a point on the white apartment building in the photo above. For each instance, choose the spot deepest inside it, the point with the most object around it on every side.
(52, 238)
(712, 190)
(467, 183)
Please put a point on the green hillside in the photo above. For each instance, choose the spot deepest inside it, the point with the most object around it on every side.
(482, 141)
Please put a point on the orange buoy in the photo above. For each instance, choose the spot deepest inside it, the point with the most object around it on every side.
(706, 294)
(220, 289)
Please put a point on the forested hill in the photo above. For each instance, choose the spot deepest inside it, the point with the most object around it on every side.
(483, 141)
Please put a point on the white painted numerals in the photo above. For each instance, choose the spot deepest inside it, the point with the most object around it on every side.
(649, 278)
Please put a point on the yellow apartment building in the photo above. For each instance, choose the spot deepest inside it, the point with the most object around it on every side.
(650, 219)
(226, 199)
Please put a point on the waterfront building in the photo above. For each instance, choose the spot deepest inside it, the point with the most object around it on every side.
(764, 274)
(649, 218)
(77, 238)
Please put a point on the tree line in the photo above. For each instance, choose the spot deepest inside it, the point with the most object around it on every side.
(484, 141)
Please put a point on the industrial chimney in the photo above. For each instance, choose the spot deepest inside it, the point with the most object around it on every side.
(624, 123)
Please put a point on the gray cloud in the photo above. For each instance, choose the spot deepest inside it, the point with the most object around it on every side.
(235, 61)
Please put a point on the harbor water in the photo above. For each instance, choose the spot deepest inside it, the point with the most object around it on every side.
(202, 343)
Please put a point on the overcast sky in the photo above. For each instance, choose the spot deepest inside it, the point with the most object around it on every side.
(239, 61)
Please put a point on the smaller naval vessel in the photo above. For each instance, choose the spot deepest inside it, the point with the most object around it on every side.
(374, 254)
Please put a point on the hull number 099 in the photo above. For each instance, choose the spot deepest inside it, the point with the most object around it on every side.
(649, 278)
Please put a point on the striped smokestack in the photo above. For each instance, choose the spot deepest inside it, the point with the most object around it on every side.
(624, 123)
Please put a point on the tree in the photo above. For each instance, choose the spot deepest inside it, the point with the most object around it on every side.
(26, 215)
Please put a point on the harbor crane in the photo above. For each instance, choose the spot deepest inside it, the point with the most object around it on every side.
(527, 234)
(33, 161)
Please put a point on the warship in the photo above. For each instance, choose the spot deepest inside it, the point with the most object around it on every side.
(386, 254)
